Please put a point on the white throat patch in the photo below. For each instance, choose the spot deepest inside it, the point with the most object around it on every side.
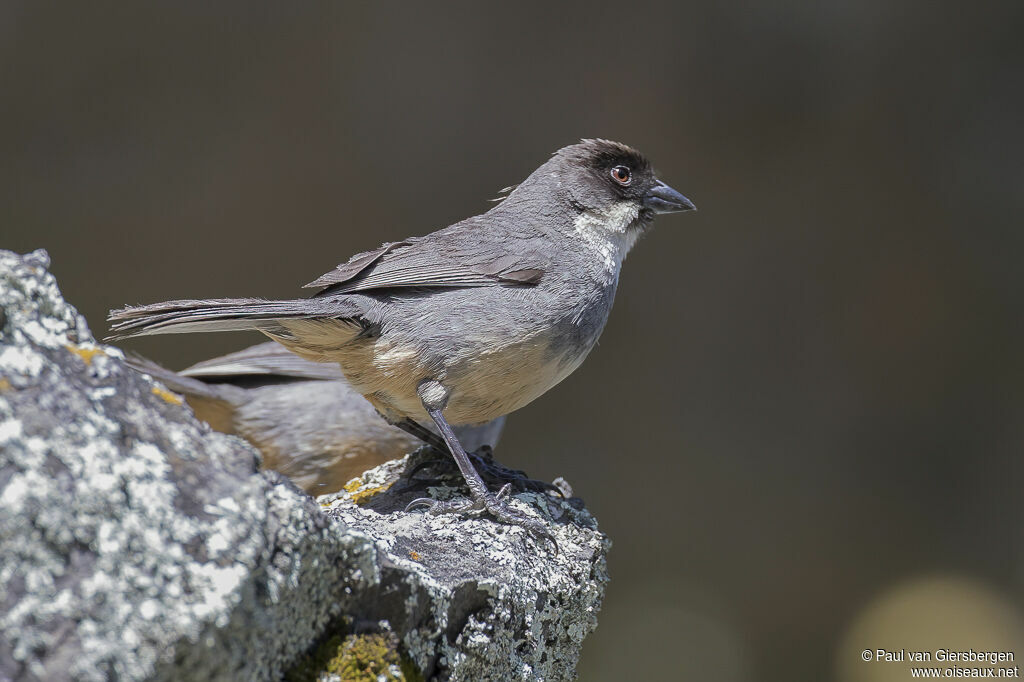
(606, 232)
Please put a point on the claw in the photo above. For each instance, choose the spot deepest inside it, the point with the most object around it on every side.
(434, 397)
(443, 507)
(420, 502)
(496, 504)
(502, 512)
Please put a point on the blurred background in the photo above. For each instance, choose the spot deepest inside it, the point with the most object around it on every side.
(804, 424)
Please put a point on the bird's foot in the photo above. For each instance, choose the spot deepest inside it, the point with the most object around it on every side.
(492, 471)
(495, 504)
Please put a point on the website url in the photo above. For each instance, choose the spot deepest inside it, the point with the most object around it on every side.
(980, 673)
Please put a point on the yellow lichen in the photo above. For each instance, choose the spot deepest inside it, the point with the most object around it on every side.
(415, 556)
(167, 395)
(365, 495)
(360, 496)
(5, 384)
(87, 354)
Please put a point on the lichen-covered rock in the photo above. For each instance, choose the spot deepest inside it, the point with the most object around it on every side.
(134, 542)
(137, 544)
(471, 598)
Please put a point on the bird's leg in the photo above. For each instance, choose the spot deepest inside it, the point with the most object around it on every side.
(434, 397)
(417, 430)
(481, 460)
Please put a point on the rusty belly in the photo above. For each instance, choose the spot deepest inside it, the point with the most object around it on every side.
(491, 381)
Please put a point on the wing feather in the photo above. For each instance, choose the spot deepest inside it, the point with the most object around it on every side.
(355, 265)
(453, 257)
(264, 359)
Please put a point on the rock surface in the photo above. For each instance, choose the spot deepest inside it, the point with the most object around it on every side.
(137, 544)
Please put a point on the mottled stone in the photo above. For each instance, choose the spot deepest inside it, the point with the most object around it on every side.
(137, 544)
(470, 598)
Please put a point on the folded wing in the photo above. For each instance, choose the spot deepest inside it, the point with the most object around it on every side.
(453, 257)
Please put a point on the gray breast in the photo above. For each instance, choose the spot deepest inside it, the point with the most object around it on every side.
(578, 330)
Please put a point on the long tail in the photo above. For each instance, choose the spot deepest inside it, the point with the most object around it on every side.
(221, 314)
(179, 383)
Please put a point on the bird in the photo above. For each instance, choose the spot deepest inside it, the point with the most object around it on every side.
(468, 323)
(305, 419)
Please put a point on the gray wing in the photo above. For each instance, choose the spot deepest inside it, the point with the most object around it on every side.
(463, 255)
(264, 359)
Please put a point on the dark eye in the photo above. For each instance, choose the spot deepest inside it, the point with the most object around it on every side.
(622, 175)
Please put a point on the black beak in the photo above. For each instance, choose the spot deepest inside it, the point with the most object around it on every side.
(663, 199)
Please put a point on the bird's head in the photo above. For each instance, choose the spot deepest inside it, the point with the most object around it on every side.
(611, 190)
(601, 175)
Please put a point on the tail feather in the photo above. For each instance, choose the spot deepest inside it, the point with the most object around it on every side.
(223, 314)
(177, 382)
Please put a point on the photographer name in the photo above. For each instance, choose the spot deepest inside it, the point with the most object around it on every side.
(943, 655)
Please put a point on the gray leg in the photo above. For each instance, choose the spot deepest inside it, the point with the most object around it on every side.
(435, 397)
(417, 430)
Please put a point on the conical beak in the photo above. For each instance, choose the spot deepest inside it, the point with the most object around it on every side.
(663, 199)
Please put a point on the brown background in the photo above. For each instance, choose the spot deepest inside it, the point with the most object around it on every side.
(803, 426)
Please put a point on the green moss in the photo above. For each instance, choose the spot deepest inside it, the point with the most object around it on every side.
(365, 658)
(357, 658)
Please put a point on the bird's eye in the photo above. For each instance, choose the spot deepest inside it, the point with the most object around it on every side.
(622, 175)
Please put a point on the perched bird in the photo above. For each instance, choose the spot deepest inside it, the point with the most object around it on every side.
(471, 322)
(303, 416)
